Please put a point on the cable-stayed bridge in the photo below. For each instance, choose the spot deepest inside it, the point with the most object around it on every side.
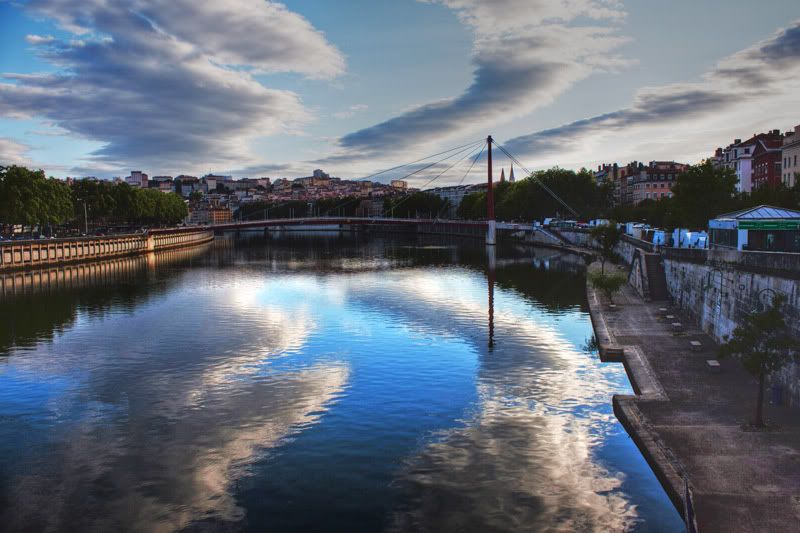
(449, 159)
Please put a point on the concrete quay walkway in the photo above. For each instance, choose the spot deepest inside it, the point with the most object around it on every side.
(691, 423)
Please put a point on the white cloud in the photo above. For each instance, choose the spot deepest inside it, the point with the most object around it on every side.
(352, 110)
(744, 93)
(169, 84)
(13, 152)
(39, 39)
(526, 53)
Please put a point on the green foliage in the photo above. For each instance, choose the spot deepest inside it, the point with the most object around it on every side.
(119, 203)
(418, 204)
(608, 284)
(28, 197)
(340, 207)
(701, 193)
(472, 206)
(526, 199)
(607, 238)
(763, 344)
(658, 213)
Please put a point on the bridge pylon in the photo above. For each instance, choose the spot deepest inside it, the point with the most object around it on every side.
(491, 230)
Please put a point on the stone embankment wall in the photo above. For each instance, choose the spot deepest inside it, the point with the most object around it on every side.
(36, 254)
(719, 288)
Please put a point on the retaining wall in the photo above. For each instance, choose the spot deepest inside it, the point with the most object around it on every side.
(35, 254)
(719, 288)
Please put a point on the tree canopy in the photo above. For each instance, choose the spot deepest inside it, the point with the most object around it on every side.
(606, 236)
(763, 344)
(418, 204)
(119, 203)
(526, 199)
(27, 197)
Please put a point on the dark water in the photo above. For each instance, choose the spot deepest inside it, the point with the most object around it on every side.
(314, 383)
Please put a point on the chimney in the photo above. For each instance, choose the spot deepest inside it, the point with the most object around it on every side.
(737, 141)
(797, 130)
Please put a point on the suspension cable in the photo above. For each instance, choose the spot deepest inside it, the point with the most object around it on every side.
(469, 152)
(480, 153)
(472, 165)
(455, 151)
(417, 161)
(536, 179)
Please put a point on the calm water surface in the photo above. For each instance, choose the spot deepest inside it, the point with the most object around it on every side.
(314, 383)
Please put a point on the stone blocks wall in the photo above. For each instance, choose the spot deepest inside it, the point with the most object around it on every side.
(719, 290)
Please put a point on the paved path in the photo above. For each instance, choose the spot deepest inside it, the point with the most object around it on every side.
(689, 420)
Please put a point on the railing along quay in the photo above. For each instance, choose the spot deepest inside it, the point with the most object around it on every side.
(45, 252)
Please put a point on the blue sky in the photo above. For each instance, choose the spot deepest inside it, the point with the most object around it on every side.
(250, 87)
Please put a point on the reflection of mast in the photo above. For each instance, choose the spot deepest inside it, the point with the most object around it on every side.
(492, 260)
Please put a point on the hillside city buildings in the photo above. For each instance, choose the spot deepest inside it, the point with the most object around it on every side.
(214, 198)
(764, 159)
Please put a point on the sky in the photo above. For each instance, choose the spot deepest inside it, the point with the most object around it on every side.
(259, 88)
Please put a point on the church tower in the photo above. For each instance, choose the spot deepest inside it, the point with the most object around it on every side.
(511, 177)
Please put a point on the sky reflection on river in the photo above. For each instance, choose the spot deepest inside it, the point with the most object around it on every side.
(316, 383)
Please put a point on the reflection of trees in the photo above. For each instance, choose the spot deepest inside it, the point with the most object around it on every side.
(554, 289)
(545, 276)
(36, 304)
(39, 303)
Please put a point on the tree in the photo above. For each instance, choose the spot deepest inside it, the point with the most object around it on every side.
(607, 236)
(701, 193)
(27, 197)
(764, 345)
(608, 284)
(422, 204)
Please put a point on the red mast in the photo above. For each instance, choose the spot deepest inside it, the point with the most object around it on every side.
(490, 190)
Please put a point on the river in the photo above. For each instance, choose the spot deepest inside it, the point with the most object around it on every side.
(313, 382)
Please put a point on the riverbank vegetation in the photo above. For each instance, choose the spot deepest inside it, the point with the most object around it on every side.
(609, 284)
(764, 345)
(527, 200)
(29, 198)
(700, 194)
